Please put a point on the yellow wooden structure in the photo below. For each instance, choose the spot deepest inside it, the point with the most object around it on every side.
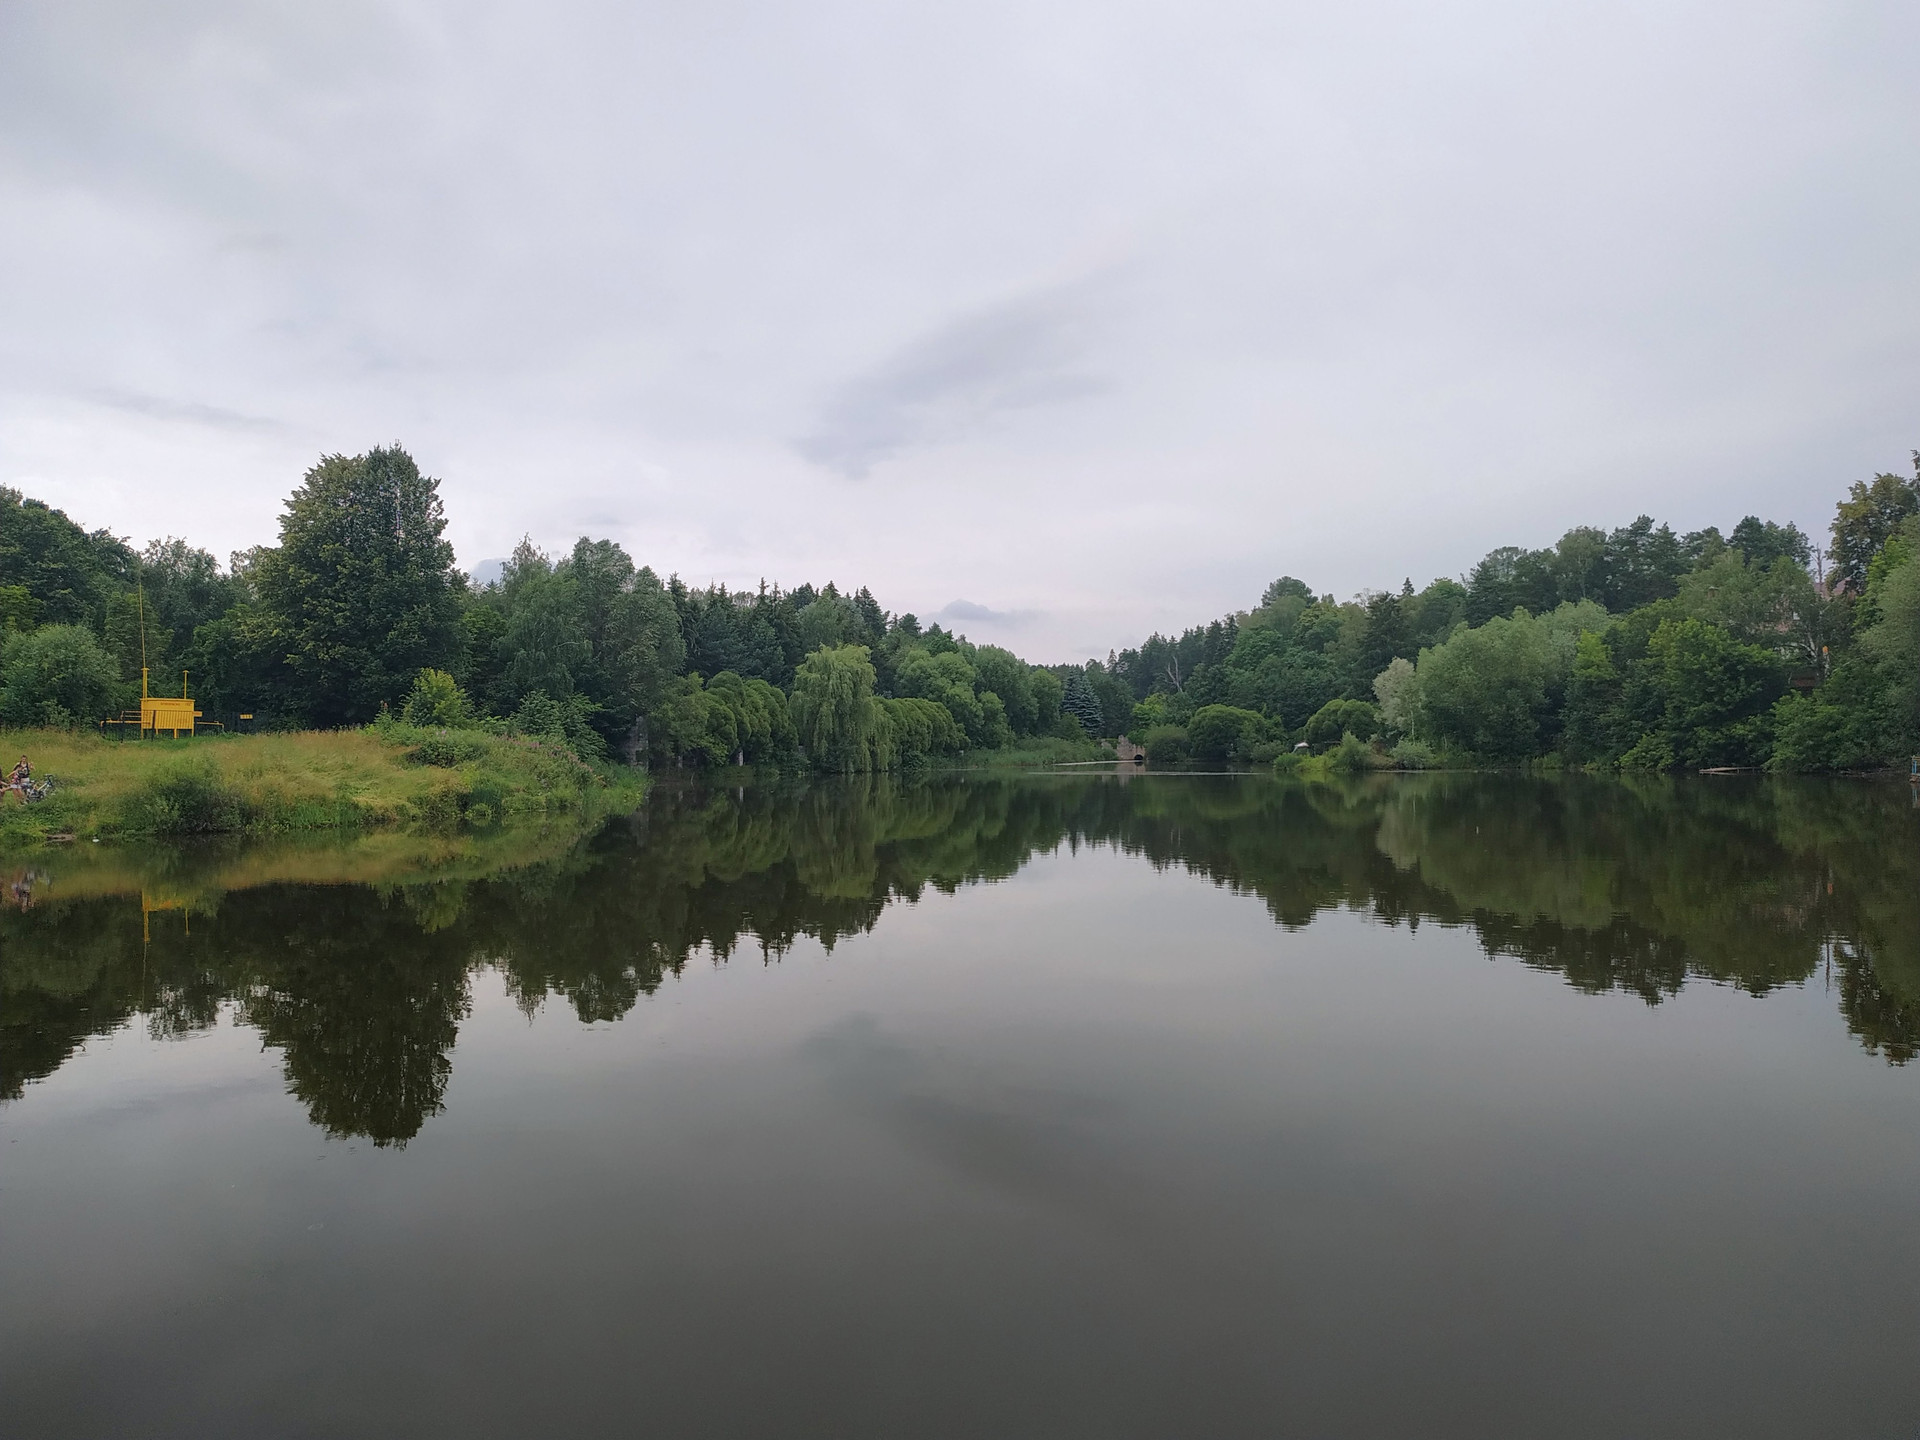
(173, 715)
(165, 712)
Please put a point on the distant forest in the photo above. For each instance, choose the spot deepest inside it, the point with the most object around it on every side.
(1636, 648)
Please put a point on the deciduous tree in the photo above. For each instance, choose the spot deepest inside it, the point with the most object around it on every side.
(362, 586)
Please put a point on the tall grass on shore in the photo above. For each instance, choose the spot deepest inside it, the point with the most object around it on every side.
(1037, 750)
(392, 775)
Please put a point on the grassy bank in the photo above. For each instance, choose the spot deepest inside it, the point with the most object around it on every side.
(313, 780)
(1039, 750)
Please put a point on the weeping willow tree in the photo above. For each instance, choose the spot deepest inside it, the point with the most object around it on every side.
(844, 727)
(921, 728)
(835, 716)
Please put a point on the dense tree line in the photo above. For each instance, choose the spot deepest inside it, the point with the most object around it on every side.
(1639, 648)
(359, 611)
(1635, 647)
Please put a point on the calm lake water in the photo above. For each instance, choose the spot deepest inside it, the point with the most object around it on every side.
(1059, 1105)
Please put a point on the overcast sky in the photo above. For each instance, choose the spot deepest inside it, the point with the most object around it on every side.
(1091, 317)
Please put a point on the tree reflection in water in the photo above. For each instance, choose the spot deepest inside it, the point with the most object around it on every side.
(1637, 886)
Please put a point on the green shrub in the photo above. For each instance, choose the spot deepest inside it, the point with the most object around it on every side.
(1165, 744)
(186, 798)
(1651, 752)
(567, 720)
(1812, 732)
(436, 809)
(1149, 714)
(1222, 732)
(448, 748)
(485, 800)
(1337, 718)
(436, 701)
(1412, 755)
(539, 714)
(55, 676)
(1351, 755)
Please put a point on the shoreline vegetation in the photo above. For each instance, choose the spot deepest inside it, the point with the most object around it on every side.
(384, 687)
(1635, 650)
(393, 776)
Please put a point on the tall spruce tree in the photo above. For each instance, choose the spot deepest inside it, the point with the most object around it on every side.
(1079, 701)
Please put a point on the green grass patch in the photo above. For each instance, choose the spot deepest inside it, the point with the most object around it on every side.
(1041, 750)
(393, 776)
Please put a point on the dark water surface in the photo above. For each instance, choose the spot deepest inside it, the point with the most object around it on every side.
(1082, 1105)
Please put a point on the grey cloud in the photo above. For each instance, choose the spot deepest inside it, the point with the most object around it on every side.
(965, 610)
(1134, 306)
(957, 378)
(189, 412)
